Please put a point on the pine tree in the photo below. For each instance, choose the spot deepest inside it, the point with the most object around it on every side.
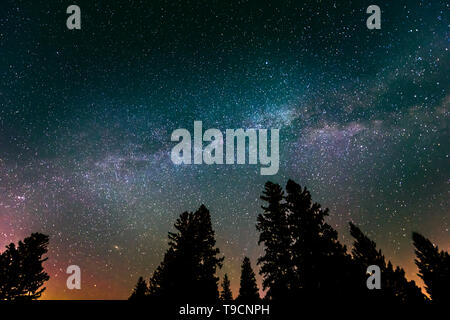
(300, 247)
(365, 254)
(208, 260)
(226, 294)
(160, 283)
(365, 250)
(434, 268)
(248, 291)
(395, 287)
(276, 267)
(140, 291)
(398, 288)
(188, 270)
(21, 271)
(315, 247)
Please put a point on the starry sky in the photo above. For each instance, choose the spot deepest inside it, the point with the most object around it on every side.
(86, 117)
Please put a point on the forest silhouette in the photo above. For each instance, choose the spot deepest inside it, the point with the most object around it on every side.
(303, 261)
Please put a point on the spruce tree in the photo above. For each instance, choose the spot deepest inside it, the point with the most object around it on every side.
(140, 291)
(365, 250)
(319, 260)
(188, 271)
(248, 291)
(302, 253)
(434, 268)
(276, 267)
(226, 294)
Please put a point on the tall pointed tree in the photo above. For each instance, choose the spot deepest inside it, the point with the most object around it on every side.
(434, 268)
(276, 266)
(248, 291)
(226, 295)
(140, 291)
(188, 271)
(300, 247)
(160, 282)
(365, 250)
(314, 245)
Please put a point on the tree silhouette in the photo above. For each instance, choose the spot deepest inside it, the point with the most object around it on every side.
(226, 295)
(365, 250)
(304, 260)
(314, 246)
(299, 246)
(21, 272)
(248, 291)
(395, 286)
(159, 283)
(140, 291)
(434, 268)
(276, 267)
(187, 272)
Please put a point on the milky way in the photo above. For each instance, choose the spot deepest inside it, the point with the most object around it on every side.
(86, 117)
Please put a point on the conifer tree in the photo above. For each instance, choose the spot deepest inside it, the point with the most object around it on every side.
(395, 287)
(315, 246)
(188, 270)
(434, 268)
(276, 267)
(226, 294)
(21, 269)
(302, 252)
(160, 283)
(140, 291)
(365, 250)
(248, 291)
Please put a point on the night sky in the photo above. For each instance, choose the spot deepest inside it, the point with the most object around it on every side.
(86, 117)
